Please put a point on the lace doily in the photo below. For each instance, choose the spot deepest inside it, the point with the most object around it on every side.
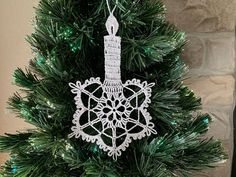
(111, 113)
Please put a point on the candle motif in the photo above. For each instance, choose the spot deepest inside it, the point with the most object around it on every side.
(112, 114)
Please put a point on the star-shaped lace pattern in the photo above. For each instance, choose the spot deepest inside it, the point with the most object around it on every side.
(112, 120)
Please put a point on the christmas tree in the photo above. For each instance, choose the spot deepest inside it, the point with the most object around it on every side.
(69, 47)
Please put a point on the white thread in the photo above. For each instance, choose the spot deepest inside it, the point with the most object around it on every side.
(109, 7)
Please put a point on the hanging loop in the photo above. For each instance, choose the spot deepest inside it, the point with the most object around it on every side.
(109, 7)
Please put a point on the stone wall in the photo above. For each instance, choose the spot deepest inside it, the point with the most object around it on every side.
(210, 53)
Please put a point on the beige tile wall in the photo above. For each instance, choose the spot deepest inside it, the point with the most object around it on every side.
(15, 19)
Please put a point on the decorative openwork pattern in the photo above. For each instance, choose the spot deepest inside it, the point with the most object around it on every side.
(111, 113)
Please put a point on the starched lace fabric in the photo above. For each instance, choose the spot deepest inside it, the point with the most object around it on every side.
(110, 113)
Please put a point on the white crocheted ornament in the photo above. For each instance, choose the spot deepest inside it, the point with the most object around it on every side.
(111, 113)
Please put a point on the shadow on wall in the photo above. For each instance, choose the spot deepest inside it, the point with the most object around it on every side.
(234, 157)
